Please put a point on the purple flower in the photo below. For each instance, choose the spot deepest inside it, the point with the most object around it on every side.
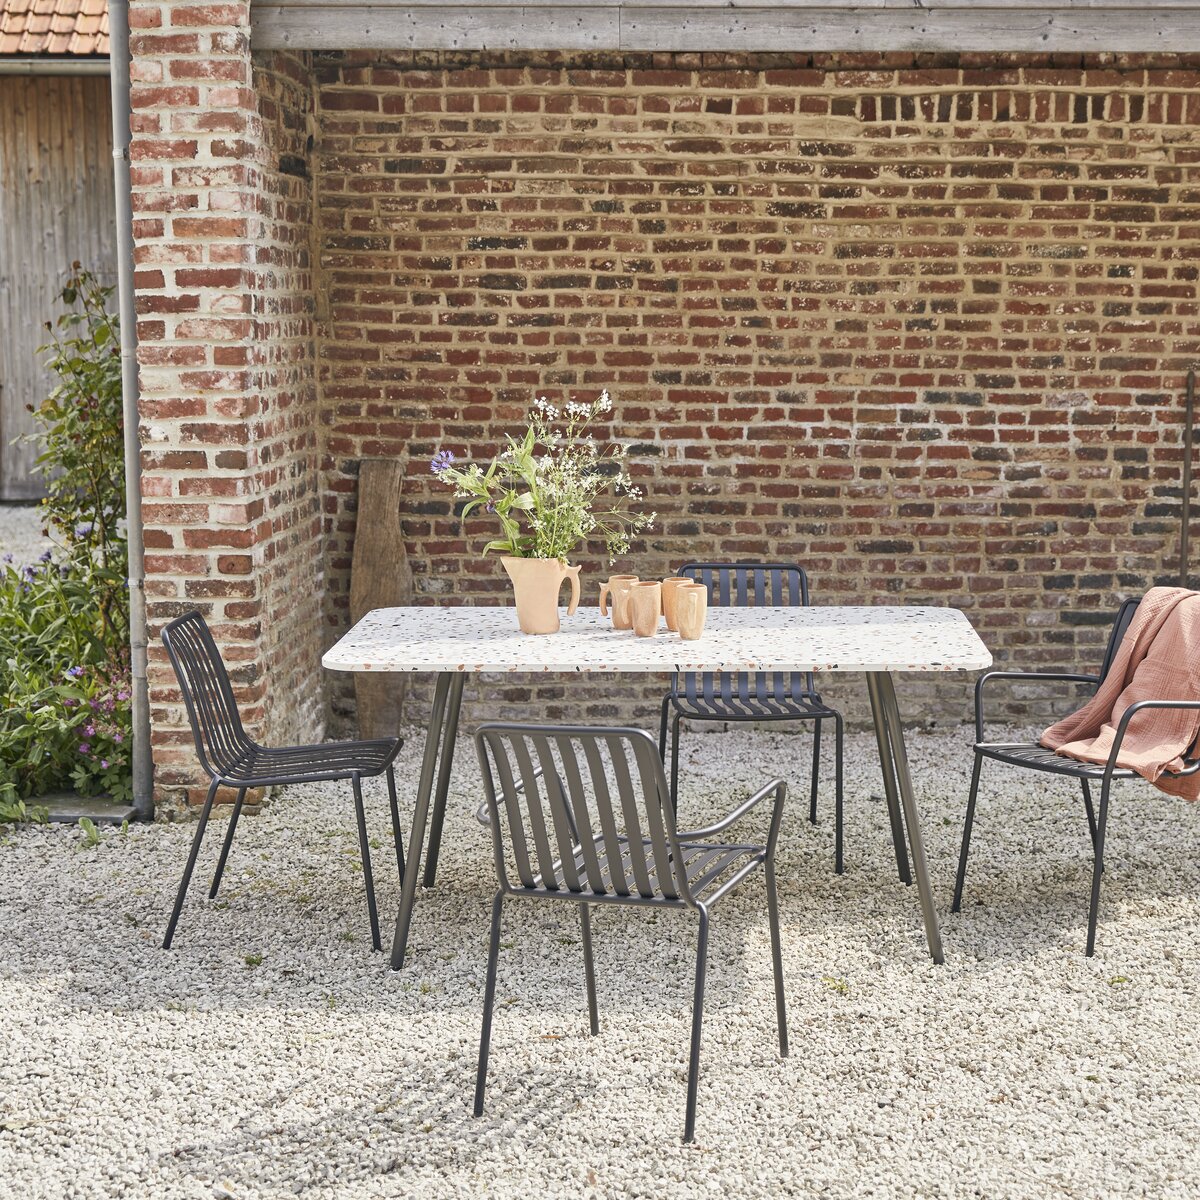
(74, 672)
(84, 748)
(104, 764)
(84, 530)
(7, 558)
(441, 460)
(44, 556)
(90, 731)
(489, 507)
(29, 574)
(118, 738)
(122, 695)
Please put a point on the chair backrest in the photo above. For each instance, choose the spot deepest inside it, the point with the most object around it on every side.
(212, 711)
(750, 585)
(558, 792)
(1119, 628)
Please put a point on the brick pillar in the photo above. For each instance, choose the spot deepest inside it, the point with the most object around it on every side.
(222, 221)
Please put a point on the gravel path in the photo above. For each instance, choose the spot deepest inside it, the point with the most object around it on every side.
(271, 1054)
(21, 532)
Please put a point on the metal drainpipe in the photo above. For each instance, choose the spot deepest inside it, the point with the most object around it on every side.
(143, 761)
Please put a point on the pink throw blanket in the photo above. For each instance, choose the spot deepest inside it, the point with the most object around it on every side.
(1158, 659)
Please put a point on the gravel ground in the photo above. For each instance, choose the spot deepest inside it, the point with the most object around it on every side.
(271, 1054)
(21, 532)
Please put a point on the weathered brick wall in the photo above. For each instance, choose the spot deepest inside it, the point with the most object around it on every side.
(919, 323)
(223, 222)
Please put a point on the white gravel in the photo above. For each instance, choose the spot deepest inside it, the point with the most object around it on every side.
(21, 532)
(271, 1054)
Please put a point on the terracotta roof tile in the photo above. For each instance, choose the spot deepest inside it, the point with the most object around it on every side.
(58, 27)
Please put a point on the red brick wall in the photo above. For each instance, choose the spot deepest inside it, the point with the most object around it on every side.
(919, 323)
(223, 222)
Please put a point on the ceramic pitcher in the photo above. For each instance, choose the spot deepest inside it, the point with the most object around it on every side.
(536, 582)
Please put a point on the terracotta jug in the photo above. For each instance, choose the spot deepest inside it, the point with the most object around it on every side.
(691, 607)
(645, 607)
(536, 582)
(669, 588)
(617, 588)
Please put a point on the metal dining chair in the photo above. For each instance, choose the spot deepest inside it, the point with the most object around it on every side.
(753, 696)
(1034, 757)
(231, 759)
(584, 815)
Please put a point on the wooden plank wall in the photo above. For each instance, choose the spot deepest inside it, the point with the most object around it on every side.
(56, 206)
(1035, 26)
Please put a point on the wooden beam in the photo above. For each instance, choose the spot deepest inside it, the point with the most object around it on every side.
(746, 25)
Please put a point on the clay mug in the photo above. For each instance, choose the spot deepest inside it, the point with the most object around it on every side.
(669, 588)
(617, 587)
(645, 607)
(691, 606)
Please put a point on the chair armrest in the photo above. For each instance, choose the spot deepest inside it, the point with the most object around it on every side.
(778, 786)
(1050, 676)
(1128, 716)
(484, 817)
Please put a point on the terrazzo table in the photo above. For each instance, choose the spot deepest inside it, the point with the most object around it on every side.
(456, 642)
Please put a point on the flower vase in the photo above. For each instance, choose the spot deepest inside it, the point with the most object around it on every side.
(536, 583)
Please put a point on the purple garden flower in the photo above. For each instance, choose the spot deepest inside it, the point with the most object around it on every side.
(104, 764)
(7, 558)
(74, 672)
(44, 557)
(89, 731)
(84, 748)
(440, 461)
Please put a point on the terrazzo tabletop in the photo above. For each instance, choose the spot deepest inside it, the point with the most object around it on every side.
(883, 638)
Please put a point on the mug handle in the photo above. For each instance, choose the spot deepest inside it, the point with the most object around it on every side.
(604, 592)
(573, 573)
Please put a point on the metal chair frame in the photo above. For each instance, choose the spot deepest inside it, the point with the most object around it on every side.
(775, 696)
(1034, 757)
(579, 855)
(232, 759)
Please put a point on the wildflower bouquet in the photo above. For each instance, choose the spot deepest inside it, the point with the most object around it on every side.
(554, 487)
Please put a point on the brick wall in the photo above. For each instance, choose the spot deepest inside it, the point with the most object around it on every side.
(223, 222)
(919, 323)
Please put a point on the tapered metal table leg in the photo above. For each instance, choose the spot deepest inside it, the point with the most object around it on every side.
(443, 780)
(885, 694)
(416, 837)
(889, 780)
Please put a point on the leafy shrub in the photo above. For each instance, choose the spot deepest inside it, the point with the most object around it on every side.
(65, 714)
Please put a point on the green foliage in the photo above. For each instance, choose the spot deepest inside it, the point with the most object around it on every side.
(65, 719)
(553, 487)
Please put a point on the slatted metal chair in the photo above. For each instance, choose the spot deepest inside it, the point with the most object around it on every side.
(584, 815)
(232, 759)
(1034, 757)
(753, 696)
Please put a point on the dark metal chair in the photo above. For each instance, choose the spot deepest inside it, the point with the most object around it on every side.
(1034, 757)
(753, 696)
(232, 759)
(601, 830)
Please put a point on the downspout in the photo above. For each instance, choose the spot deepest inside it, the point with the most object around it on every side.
(143, 761)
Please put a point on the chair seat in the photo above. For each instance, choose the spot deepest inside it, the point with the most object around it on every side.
(259, 766)
(1038, 758)
(747, 704)
(711, 870)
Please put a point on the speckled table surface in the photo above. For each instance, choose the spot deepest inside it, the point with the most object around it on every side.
(897, 638)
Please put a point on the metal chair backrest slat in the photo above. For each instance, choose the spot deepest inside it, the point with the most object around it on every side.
(599, 798)
(750, 585)
(208, 696)
(1120, 627)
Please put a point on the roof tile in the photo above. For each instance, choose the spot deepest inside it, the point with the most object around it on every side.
(74, 27)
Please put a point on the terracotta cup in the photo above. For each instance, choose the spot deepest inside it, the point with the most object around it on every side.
(691, 606)
(645, 607)
(617, 587)
(670, 587)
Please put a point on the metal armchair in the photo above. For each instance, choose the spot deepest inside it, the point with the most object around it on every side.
(753, 696)
(584, 815)
(1034, 757)
(231, 759)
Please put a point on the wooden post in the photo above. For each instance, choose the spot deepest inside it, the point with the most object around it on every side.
(380, 577)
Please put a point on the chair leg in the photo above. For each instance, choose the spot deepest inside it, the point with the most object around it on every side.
(489, 999)
(675, 762)
(395, 806)
(233, 820)
(589, 968)
(1098, 868)
(365, 851)
(966, 839)
(689, 1122)
(662, 728)
(191, 864)
(776, 958)
(1091, 812)
(839, 745)
(816, 771)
